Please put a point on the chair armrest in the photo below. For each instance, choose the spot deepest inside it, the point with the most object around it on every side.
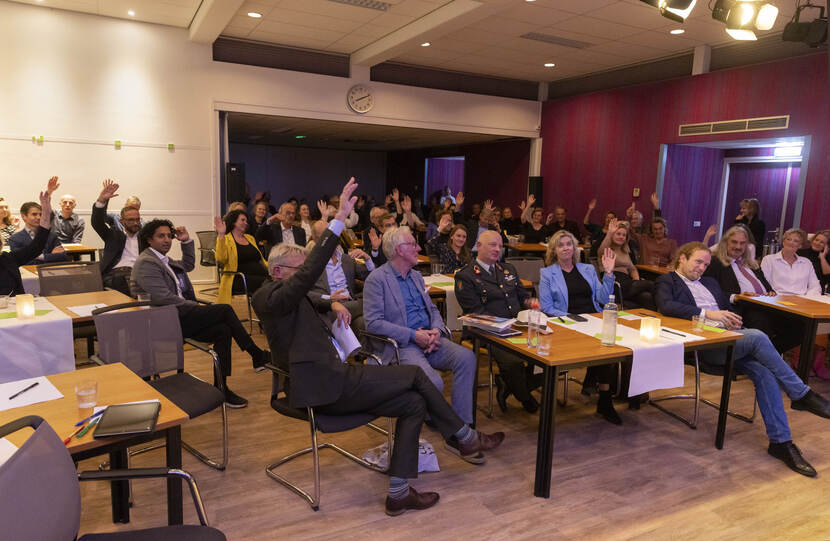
(386, 339)
(96, 359)
(276, 369)
(217, 368)
(150, 473)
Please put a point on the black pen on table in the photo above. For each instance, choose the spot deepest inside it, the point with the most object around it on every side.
(18, 393)
(673, 332)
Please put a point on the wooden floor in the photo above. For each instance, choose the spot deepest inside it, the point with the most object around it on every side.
(652, 478)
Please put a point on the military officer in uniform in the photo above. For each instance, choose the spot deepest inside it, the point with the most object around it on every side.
(486, 286)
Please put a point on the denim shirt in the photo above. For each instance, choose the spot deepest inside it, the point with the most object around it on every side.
(417, 316)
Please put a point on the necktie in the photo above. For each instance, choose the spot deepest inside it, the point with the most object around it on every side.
(759, 289)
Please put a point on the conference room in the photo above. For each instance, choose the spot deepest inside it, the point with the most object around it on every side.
(496, 147)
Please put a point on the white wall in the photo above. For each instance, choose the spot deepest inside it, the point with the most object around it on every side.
(83, 81)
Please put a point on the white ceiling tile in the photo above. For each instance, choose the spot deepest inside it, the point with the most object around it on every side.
(350, 43)
(457, 46)
(243, 21)
(280, 28)
(331, 9)
(236, 31)
(416, 8)
(535, 14)
(474, 35)
(372, 31)
(289, 41)
(499, 25)
(597, 27)
(313, 20)
(575, 6)
(660, 40)
(392, 20)
(636, 14)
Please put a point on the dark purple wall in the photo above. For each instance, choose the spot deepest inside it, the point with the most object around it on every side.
(691, 188)
(765, 182)
(443, 172)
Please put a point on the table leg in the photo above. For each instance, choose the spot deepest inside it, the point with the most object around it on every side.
(476, 348)
(547, 425)
(174, 485)
(728, 374)
(120, 490)
(805, 355)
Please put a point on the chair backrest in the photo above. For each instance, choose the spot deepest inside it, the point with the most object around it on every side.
(207, 248)
(64, 278)
(527, 267)
(148, 340)
(41, 493)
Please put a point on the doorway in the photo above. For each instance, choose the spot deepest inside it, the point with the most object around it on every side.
(442, 173)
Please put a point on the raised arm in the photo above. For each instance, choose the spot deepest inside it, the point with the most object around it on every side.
(527, 211)
(591, 204)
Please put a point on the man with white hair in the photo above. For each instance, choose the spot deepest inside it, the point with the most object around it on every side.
(303, 343)
(395, 304)
(114, 218)
(281, 229)
(68, 225)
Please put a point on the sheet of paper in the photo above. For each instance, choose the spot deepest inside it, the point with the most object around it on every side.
(43, 392)
(629, 316)
(7, 449)
(85, 310)
(346, 338)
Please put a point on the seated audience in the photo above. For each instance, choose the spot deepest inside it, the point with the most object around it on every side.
(395, 304)
(284, 230)
(10, 261)
(486, 221)
(166, 281)
(633, 289)
(304, 219)
(374, 235)
(8, 223)
(486, 286)
(66, 224)
(655, 246)
(817, 254)
(334, 204)
(738, 273)
(532, 227)
(114, 218)
(509, 224)
(450, 245)
(567, 286)
(237, 251)
(596, 232)
(787, 272)
(446, 193)
(561, 221)
(120, 243)
(259, 218)
(30, 213)
(304, 345)
(684, 294)
(750, 216)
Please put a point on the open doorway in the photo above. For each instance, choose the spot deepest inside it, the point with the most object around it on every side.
(442, 174)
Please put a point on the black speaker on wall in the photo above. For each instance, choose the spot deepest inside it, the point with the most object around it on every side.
(534, 186)
(235, 187)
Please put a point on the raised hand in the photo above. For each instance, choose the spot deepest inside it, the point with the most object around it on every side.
(459, 199)
(347, 200)
(530, 200)
(592, 204)
(406, 204)
(447, 203)
(219, 226)
(711, 231)
(396, 195)
(630, 210)
(655, 201)
(108, 191)
(52, 185)
(182, 234)
(488, 204)
(613, 225)
(549, 219)
(522, 206)
(445, 223)
(374, 239)
(323, 208)
(357, 253)
(609, 258)
(46, 203)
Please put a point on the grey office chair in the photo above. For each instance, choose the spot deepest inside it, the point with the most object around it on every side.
(67, 277)
(43, 496)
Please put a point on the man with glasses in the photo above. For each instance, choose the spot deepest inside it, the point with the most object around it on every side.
(120, 243)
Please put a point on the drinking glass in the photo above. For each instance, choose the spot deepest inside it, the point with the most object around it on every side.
(87, 394)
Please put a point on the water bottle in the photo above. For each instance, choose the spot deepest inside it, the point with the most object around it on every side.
(609, 323)
(533, 321)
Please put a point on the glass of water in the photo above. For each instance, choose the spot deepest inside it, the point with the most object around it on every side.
(87, 394)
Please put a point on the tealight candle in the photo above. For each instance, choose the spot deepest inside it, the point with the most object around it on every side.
(649, 329)
(25, 306)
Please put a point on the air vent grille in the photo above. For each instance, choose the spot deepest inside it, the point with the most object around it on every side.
(369, 4)
(740, 125)
(556, 40)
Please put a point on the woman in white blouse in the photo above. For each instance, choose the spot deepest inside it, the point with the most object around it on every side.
(787, 272)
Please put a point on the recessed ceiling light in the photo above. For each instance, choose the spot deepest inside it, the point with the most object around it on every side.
(530, 0)
(254, 15)
(131, 13)
(677, 31)
(425, 44)
(549, 65)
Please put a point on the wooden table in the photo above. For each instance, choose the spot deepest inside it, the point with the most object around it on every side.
(108, 297)
(570, 350)
(810, 313)
(116, 384)
(77, 250)
(652, 271)
(528, 247)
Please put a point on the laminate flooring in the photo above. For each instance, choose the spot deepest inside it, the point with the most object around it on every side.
(652, 478)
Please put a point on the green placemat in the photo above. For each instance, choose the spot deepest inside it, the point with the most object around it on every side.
(519, 341)
(713, 329)
(599, 337)
(13, 315)
(624, 313)
(563, 321)
(442, 284)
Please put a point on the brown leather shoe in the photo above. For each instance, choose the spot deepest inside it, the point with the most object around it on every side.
(484, 442)
(413, 500)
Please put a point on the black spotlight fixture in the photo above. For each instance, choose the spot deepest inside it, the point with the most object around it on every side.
(813, 33)
(676, 10)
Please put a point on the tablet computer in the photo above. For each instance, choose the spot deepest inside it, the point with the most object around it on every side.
(127, 419)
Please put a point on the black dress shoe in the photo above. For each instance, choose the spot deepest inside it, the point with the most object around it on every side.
(501, 393)
(260, 360)
(233, 400)
(413, 500)
(605, 408)
(814, 403)
(789, 454)
(476, 457)
(531, 405)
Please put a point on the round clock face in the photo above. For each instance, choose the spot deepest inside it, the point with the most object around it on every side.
(360, 99)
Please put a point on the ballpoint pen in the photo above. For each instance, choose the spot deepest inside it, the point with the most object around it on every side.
(18, 393)
(83, 432)
(91, 417)
(69, 437)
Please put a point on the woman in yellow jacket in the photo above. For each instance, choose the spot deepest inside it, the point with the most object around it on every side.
(237, 252)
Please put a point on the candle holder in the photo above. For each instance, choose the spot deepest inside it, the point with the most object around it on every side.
(25, 306)
(649, 329)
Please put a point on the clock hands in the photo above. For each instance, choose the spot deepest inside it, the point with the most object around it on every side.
(361, 98)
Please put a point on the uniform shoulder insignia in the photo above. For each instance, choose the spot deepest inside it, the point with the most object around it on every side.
(476, 269)
(459, 284)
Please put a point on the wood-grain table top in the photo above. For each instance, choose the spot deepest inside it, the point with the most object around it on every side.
(802, 306)
(108, 297)
(117, 384)
(79, 249)
(654, 269)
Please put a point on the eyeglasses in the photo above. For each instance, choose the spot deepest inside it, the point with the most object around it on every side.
(413, 243)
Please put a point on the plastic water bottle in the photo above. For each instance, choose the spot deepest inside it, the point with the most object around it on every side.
(609, 323)
(534, 317)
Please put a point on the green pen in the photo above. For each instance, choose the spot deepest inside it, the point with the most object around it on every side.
(83, 432)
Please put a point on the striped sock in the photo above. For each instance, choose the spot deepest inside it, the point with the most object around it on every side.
(466, 435)
(398, 488)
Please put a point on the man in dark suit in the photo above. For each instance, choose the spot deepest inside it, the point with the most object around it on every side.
(10, 281)
(166, 281)
(484, 221)
(303, 343)
(120, 243)
(685, 294)
(561, 221)
(31, 212)
(382, 221)
(486, 286)
(281, 229)
(737, 272)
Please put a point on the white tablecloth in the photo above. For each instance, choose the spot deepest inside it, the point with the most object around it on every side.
(31, 283)
(453, 308)
(35, 347)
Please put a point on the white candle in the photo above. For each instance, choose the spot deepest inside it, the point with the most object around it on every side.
(649, 329)
(25, 306)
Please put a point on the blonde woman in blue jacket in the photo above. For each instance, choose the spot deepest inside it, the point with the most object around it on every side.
(237, 252)
(567, 286)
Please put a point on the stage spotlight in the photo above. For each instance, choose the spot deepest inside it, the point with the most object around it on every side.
(740, 16)
(676, 10)
(813, 33)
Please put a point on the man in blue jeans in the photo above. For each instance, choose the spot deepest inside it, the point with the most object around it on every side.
(685, 294)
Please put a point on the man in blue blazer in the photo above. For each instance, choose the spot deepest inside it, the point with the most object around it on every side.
(395, 304)
(53, 251)
(685, 294)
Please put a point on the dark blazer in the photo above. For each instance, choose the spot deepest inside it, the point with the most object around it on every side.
(10, 262)
(271, 235)
(149, 275)
(298, 337)
(114, 238)
(570, 225)
(352, 270)
(499, 293)
(674, 299)
(20, 240)
(379, 259)
(727, 280)
(472, 233)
